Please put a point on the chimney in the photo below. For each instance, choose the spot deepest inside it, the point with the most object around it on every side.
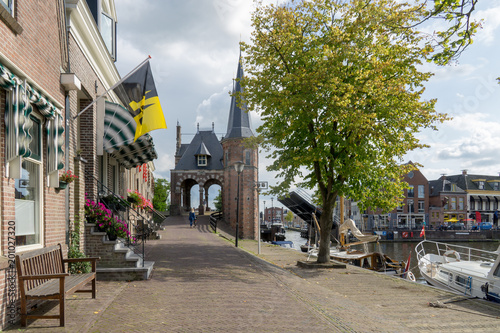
(178, 144)
(464, 172)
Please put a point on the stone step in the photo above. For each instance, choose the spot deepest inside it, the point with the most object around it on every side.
(125, 273)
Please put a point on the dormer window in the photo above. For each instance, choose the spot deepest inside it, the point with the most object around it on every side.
(202, 154)
(202, 160)
(480, 183)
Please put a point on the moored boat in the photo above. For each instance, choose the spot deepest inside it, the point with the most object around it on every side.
(376, 260)
(465, 270)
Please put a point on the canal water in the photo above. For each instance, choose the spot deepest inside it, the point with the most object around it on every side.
(397, 250)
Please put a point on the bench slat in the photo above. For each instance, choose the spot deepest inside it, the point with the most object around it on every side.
(41, 273)
(71, 284)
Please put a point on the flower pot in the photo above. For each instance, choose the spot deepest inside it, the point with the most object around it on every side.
(112, 237)
(62, 185)
(99, 228)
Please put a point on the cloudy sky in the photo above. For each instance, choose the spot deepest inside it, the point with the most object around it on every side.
(194, 47)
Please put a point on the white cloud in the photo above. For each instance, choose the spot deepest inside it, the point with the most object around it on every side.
(489, 25)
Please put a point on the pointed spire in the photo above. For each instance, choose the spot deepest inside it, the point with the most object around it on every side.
(239, 125)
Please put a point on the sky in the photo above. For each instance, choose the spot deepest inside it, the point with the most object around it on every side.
(194, 48)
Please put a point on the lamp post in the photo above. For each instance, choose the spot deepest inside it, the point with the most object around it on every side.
(238, 166)
(272, 210)
(264, 217)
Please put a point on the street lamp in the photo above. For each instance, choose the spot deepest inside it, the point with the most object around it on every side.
(264, 217)
(238, 166)
(272, 210)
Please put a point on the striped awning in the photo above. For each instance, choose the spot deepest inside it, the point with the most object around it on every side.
(137, 153)
(18, 123)
(119, 133)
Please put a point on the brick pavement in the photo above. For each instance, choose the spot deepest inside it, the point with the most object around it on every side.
(202, 283)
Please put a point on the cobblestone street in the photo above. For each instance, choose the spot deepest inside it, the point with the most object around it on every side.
(202, 283)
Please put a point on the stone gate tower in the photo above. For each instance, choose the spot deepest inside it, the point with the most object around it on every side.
(207, 161)
(235, 150)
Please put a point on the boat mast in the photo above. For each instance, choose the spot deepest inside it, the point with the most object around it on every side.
(341, 235)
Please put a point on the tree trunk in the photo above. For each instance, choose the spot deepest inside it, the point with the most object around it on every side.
(325, 222)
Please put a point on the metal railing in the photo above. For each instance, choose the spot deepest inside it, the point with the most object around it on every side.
(214, 218)
(144, 225)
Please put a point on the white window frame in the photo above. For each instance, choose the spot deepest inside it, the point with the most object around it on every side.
(39, 163)
(421, 191)
(112, 52)
(9, 5)
(202, 160)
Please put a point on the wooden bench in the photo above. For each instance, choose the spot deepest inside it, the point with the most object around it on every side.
(42, 275)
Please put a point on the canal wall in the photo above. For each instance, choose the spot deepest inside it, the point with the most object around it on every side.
(438, 235)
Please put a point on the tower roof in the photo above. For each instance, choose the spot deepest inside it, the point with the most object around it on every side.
(203, 143)
(239, 125)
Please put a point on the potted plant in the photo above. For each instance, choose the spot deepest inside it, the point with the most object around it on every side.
(116, 228)
(133, 197)
(98, 214)
(67, 177)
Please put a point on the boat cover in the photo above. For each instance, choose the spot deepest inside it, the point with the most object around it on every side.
(349, 224)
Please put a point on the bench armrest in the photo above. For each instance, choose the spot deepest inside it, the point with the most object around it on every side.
(93, 260)
(43, 276)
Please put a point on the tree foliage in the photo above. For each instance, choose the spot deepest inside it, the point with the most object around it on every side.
(160, 199)
(218, 202)
(339, 89)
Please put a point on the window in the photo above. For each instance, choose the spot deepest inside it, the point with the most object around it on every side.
(421, 206)
(411, 207)
(480, 185)
(247, 157)
(9, 5)
(410, 192)
(495, 186)
(472, 204)
(453, 203)
(421, 193)
(460, 203)
(108, 34)
(202, 160)
(28, 192)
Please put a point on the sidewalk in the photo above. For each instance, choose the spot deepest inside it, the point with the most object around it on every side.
(202, 283)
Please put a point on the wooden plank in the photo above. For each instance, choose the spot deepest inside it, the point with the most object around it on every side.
(41, 275)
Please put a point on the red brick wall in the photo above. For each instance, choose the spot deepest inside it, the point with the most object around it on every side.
(248, 210)
(35, 55)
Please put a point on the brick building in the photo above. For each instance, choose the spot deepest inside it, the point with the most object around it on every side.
(55, 58)
(207, 161)
(411, 214)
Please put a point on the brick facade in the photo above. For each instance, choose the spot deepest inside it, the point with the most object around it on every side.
(32, 53)
(234, 151)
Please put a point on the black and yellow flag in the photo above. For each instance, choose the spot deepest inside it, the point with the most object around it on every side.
(138, 94)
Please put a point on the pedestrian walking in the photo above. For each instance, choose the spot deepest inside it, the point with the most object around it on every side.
(192, 218)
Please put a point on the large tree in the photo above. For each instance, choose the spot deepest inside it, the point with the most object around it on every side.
(338, 85)
(160, 199)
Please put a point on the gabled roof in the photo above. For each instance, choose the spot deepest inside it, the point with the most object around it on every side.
(239, 125)
(443, 184)
(464, 183)
(202, 150)
(203, 141)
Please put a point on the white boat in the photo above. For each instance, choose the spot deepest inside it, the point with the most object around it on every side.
(464, 270)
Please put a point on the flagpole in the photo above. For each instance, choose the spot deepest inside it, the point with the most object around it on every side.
(113, 87)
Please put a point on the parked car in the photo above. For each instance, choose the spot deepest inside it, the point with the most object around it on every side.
(456, 226)
(483, 226)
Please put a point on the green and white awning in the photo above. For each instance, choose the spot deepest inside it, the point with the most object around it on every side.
(18, 123)
(119, 132)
